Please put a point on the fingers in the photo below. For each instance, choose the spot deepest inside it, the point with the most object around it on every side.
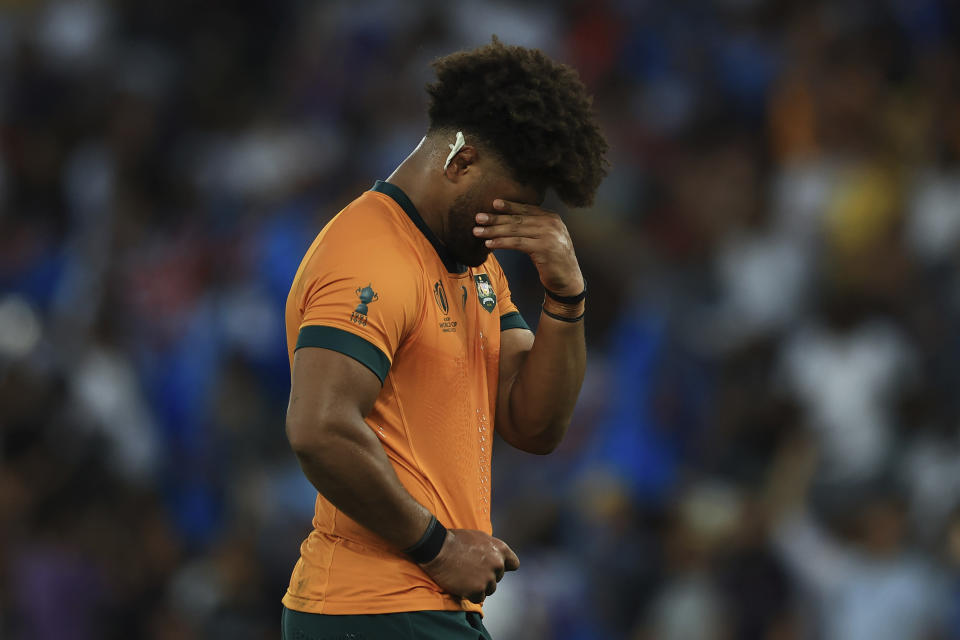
(478, 563)
(477, 598)
(517, 207)
(510, 560)
(548, 227)
(516, 219)
(516, 243)
(507, 230)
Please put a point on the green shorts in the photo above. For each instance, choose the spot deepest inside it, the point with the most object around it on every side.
(414, 625)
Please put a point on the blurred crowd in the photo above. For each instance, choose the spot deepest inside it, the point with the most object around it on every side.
(767, 445)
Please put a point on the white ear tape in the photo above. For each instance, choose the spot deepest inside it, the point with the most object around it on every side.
(454, 149)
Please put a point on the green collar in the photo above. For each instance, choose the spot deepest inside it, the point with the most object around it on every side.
(398, 196)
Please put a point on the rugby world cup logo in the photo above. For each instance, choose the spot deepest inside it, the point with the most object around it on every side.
(440, 295)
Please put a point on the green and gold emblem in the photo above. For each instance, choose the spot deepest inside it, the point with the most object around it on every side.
(488, 299)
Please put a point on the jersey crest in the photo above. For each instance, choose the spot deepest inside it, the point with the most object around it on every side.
(488, 299)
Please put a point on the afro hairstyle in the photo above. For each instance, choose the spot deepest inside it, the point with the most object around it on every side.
(534, 113)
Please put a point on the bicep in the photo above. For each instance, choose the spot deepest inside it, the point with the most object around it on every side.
(327, 387)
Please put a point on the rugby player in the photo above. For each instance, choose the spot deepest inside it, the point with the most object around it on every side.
(407, 352)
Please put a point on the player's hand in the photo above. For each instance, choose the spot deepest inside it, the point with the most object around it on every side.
(470, 564)
(541, 235)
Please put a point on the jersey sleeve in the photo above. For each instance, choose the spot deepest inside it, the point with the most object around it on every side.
(510, 317)
(361, 302)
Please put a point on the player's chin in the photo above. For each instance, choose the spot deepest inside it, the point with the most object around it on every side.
(478, 260)
(475, 255)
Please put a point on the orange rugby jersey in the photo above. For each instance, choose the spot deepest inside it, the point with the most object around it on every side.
(378, 286)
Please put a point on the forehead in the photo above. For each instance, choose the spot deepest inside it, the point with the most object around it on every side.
(507, 188)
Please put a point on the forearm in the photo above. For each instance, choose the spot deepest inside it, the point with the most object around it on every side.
(349, 467)
(544, 393)
(540, 382)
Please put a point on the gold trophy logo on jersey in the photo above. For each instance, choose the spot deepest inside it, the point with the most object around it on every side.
(366, 295)
(488, 299)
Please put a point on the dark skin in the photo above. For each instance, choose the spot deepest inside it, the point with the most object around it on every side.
(473, 206)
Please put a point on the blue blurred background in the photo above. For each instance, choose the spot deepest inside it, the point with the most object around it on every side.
(767, 445)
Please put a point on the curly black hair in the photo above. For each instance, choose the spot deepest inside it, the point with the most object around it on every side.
(533, 112)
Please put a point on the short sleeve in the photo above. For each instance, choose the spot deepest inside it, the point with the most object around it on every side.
(510, 317)
(360, 301)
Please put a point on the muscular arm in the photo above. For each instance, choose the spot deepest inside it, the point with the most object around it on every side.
(330, 395)
(540, 377)
(539, 383)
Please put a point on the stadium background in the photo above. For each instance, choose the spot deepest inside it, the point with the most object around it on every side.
(767, 441)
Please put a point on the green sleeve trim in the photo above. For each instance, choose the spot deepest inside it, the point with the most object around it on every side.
(512, 320)
(348, 344)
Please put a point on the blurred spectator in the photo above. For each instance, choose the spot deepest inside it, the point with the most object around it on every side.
(870, 586)
(847, 370)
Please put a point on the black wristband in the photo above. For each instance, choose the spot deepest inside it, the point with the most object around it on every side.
(563, 318)
(429, 544)
(569, 299)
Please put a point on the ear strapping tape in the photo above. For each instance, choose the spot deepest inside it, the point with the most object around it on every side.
(454, 149)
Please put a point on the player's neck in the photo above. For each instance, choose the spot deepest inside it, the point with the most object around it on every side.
(414, 177)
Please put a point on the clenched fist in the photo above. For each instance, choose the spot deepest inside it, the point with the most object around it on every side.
(470, 564)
